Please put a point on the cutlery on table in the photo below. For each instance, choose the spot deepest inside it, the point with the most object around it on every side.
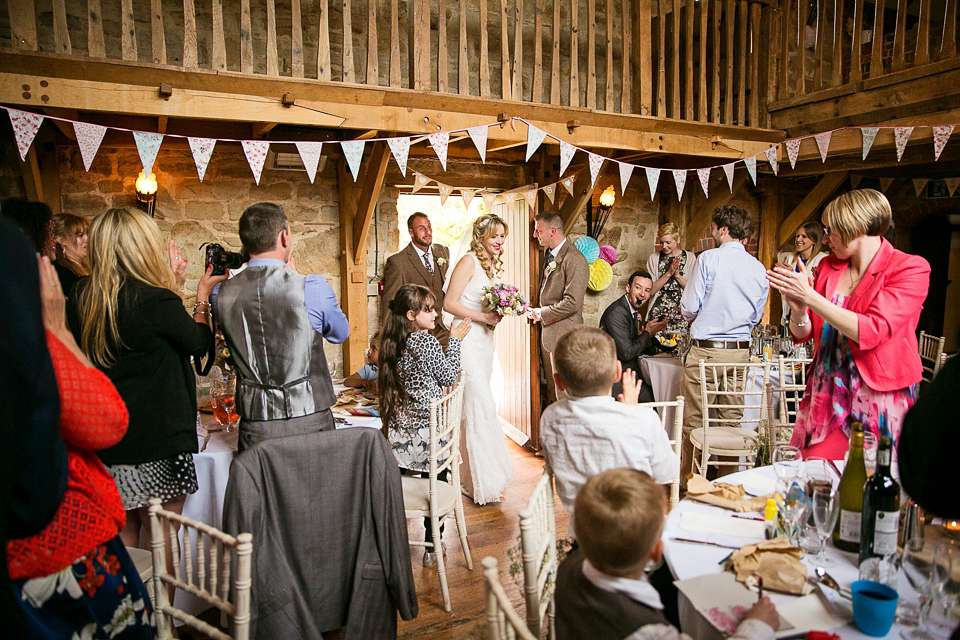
(828, 580)
(712, 544)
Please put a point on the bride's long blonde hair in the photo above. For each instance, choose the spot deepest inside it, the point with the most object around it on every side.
(483, 228)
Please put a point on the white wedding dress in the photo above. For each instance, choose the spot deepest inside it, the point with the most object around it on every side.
(487, 462)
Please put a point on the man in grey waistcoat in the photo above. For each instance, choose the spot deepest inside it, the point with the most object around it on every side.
(275, 321)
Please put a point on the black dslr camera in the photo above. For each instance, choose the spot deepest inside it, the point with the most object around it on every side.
(221, 259)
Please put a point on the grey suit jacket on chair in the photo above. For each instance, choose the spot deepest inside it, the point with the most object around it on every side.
(561, 295)
(330, 545)
(406, 267)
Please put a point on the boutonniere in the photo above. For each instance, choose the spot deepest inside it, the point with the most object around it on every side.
(441, 262)
(551, 266)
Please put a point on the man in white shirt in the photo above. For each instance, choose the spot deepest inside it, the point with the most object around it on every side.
(723, 301)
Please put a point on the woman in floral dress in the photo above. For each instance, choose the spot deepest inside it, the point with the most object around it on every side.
(670, 268)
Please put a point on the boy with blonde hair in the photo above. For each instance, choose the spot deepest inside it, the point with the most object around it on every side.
(590, 432)
(602, 593)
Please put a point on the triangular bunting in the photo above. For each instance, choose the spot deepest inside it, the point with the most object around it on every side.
(353, 152)
(479, 137)
(626, 170)
(489, 199)
(530, 197)
(900, 136)
(89, 137)
(440, 141)
(751, 164)
(869, 135)
(823, 143)
(885, 184)
(568, 184)
(855, 180)
(680, 177)
(445, 191)
(653, 177)
(704, 175)
(202, 149)
(400, 147)
(793, 150)
(728, 171)
(919, 184)
(551, 191)
(510, 197)
(467, 195)
(534, 139)
(771, 154)
(148, 145)
(25, 127)
(566, 155)
(256, 152)
(595, 162)
(419, 182)
(952, 184)
(940, 137)
(310, 156)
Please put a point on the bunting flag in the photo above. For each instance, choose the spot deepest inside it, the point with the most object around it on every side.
(89, 137)
(919, 184)
(885, 184)
(855, 180)
(25, 127)
(595, 162)
(400, 148)
(535, 137)
(626, 170)
(869, 135)
(551, 191)
(793, 150)
(680, 177)
(353, 152)
(445, 191)
(728, 171)
(823, 143)
(704, 175)
(940, 136)
(566, 155)
(531, 198)
(440, 141)
(256, 152)
(509, 197)
(467, 195)
(900, 136)
(568, 184)
(202, 149)
(479, 137)
(952, 184)
(419, 182)
(771, 154)
(148, 145)
(310, 156)
(653, 177)
(751, 164)
(489, 199)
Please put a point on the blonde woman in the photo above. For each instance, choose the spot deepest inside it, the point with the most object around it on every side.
(70, 235)
(131, 323)
(487, 468)
(670, 268)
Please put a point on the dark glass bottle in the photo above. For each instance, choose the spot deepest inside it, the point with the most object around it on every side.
(879, 524)
(846, 535)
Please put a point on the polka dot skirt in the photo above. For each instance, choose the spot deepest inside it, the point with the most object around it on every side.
(166, 479)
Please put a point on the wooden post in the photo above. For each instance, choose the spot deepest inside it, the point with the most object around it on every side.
(23, 24)
(419, 18)
(770, 204)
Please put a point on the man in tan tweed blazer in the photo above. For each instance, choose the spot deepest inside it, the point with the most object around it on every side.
(563, 284)
(413, 265)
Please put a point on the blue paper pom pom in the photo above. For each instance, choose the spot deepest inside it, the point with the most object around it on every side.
(588, 247)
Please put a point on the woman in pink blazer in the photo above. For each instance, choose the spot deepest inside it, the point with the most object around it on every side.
(862, 312)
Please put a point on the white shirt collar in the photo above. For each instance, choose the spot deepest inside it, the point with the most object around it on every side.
(639, 590)
(556, 249)
(422, 253)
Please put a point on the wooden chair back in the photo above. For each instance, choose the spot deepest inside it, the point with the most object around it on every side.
(674, 429)
(503, 621)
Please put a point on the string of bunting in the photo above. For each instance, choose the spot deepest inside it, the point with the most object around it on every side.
(490, 197)
(90, 136)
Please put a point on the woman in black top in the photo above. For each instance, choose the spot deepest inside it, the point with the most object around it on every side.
(134, 327)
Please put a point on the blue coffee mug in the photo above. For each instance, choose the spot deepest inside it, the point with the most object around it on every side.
(874, 607)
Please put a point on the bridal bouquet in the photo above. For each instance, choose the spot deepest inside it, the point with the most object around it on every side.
(505, 300)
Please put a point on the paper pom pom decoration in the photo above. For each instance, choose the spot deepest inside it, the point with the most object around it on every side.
(608, 253)
(601, 275)
(588, 247)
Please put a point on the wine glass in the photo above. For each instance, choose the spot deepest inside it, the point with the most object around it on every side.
(870, 452)
(223, 402)
(786, 462)
(817, 472)
(943, 620)
(920, 566)
(826, 507)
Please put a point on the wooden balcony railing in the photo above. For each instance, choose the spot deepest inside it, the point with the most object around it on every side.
(695, 60)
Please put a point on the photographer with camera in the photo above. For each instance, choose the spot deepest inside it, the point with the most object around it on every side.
(283, 386)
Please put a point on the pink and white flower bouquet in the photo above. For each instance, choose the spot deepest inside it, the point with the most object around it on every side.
(505, 300)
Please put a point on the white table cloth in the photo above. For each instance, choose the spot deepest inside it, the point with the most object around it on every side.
(692, 560)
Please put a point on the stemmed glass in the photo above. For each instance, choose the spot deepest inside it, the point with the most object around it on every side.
(817, 472)
(786, 462)
(826, 505)
(925, 573)
(947, 559)
(223, 402)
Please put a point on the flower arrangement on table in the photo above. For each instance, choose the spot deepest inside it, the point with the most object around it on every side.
(505, 300)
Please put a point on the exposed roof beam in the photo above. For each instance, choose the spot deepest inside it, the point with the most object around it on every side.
(261, 129)
(810, 205)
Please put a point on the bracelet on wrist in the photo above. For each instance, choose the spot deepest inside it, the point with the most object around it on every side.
(201, 304)
(801, 325)
(197, 312)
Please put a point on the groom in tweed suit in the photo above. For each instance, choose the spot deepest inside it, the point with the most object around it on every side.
(421, 262)
(563, 284)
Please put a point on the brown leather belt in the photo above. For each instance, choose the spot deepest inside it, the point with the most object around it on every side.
(722, 344)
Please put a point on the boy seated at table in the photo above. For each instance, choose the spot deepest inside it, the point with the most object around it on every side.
(590, 432)
(602, 592)
(366, 376)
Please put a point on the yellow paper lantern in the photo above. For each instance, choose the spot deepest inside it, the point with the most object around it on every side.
(601, 275)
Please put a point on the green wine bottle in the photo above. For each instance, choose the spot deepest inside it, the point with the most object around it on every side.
(846, 535)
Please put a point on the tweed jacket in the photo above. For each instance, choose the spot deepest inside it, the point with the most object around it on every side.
(561, 295)
(406, 267)
(330, 546)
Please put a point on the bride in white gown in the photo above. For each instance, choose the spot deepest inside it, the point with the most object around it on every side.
(487, 468)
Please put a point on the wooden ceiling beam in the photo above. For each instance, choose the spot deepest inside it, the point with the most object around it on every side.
(261, 129)
(805, 211)
(572, 206)
(718, 198)
(370, 185)
(65, 127)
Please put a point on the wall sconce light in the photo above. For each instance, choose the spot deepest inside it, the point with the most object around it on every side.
(147, 192)
(596, 220)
